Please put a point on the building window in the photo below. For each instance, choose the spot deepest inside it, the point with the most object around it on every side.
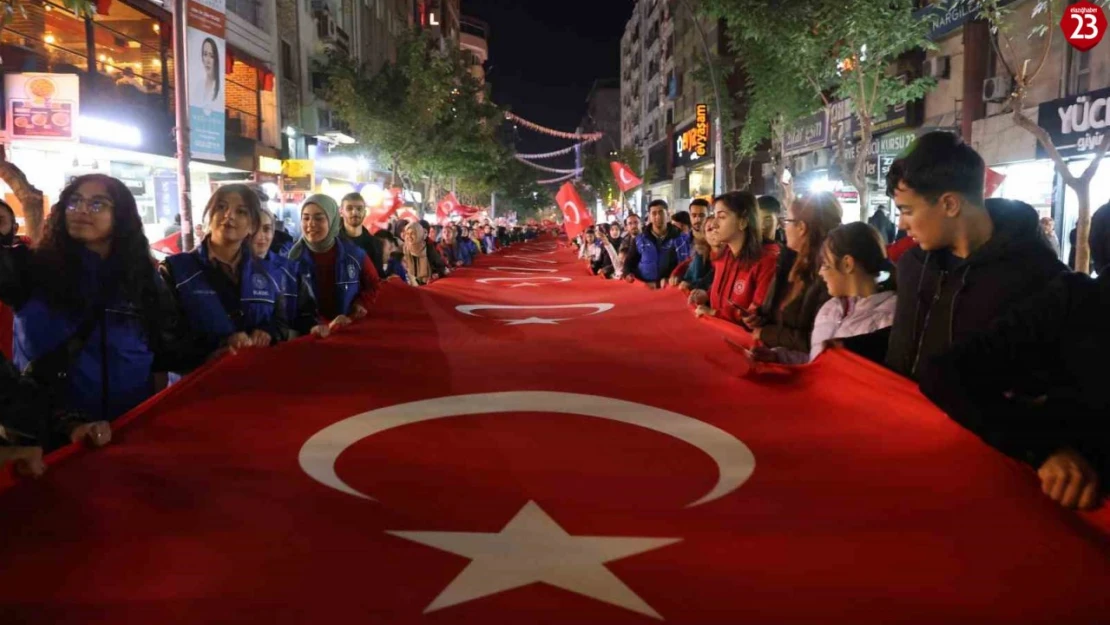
(242, 86)
(1080, 79)
(250, 10)
(44, 38)
(128, 51)
(288, 63)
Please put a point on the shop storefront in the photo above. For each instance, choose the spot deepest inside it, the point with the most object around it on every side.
(814, 142)
(152, 178)
(1078, 125)
(692, 155)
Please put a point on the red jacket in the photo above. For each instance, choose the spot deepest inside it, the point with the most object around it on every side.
(740, 286)
(7, 318)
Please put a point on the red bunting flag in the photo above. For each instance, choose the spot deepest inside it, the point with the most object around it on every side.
(625, 178)
(575, 216)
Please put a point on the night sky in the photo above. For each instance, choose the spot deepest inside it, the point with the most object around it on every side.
(544, 56)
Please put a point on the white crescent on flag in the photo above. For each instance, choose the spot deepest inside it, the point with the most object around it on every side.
(573, 210)
(624, 176)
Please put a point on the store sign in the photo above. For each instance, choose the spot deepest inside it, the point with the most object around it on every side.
(42, 106)
(809, 134)
(947, 16)
(206, 51)
(269, 165)
(298, 175)
(1077, 124)
(692, 142)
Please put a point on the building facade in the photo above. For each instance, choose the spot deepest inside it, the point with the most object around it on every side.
(647, 62)
(603, 114)
(973, 82)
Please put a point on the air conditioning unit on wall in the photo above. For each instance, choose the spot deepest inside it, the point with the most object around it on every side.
(937, 67)
(997, 89)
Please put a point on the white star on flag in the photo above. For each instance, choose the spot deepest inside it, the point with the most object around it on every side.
(533, 321)
(533, 548)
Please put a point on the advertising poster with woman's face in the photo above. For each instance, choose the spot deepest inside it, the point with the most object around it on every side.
(206, 57)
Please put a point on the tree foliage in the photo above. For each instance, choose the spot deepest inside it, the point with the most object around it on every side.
(799, 55)
(1024, 71)
(427, 116)
(598, 182)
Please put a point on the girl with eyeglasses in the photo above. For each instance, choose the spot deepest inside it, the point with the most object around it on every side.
(93, 319)
(784, 325)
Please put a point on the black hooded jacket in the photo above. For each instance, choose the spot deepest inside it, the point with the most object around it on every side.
(1059, 334)
(944, 300)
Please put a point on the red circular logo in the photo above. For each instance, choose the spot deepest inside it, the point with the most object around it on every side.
(1083, 24)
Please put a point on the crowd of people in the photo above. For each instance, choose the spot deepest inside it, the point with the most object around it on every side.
(96, 326)
(967, 296)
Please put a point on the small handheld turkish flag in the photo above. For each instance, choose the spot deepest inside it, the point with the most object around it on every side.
(625, 178)
(448, 205)
(575, 216)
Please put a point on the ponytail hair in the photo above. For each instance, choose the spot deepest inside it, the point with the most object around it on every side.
(821, 213)
(744, 205)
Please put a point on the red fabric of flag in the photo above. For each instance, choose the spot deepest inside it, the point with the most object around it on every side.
(625, 178)
(575, 216)
(524, 443)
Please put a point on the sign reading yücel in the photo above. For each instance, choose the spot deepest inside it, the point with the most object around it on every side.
(206, 52)
(1078, 124)
(42, 106)
(692, 142)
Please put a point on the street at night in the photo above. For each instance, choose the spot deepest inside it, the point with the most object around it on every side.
(490, 311)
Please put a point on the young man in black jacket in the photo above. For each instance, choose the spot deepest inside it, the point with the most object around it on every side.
(1061, 334)
(975, 259)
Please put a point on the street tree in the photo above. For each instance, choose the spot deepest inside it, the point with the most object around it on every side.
(781, 62)
(424, 114)
(1025, 72)
(866, 40)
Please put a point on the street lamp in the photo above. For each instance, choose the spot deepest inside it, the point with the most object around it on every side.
(718, 131)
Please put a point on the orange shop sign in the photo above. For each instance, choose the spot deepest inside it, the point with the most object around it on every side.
(692, 142)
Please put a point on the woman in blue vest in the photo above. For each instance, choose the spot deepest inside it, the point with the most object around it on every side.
(339, 273)
(229, 298)
(300, 304)
(467, 247)
(93, 320)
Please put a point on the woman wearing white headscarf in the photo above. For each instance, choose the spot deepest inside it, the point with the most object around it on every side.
(341, 275)
(422, 262)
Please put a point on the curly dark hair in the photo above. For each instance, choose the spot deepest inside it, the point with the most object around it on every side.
(57, 270)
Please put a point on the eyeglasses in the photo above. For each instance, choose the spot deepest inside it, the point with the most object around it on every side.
(93, 205)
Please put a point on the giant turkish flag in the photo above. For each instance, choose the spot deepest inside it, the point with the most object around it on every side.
(575, 216)
(524, 443)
